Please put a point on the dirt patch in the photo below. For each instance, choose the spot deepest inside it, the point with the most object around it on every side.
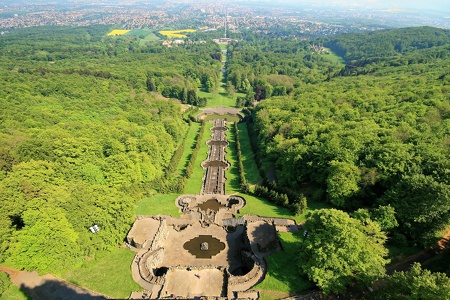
(194, 283)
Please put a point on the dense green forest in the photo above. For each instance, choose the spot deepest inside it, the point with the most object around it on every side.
(370, 140)
(90, 124)
(264, 66)
(374, 139)
(83, 137)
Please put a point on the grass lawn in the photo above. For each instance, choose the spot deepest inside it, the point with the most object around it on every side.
(160, 204)
(262, 207)
(138, 32)
(150, 36)
(248, 157)
(283, 273)
(109, 275)
(232, 185)
(14, 293)
(334, 58)
(189, 146)
(220, 99)
(223, 46)
(194, 183)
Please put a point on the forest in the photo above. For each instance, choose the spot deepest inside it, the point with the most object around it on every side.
(357, 123)
(83, 137)
(367, 133)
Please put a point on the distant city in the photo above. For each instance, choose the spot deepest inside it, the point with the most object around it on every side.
(302, 19)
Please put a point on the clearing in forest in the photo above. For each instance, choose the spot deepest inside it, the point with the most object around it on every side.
(118, 32)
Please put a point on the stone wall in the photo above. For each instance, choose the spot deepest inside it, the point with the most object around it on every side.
(160, 236)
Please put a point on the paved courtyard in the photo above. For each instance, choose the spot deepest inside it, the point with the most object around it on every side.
(186, 284)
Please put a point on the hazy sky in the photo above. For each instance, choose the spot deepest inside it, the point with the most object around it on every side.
(401, 4)
(439, 5)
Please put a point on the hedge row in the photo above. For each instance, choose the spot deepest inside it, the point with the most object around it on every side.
(245, 188)
(296, 202)
(254, 145)
(190, 166)
(175, 184)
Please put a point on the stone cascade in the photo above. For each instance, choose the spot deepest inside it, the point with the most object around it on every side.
(208, 253)
(215, 165)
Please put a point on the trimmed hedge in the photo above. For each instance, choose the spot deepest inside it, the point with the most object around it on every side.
(245, 188)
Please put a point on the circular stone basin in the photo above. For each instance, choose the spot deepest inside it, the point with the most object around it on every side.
(218, 143)
(211, 204)
(194, 246)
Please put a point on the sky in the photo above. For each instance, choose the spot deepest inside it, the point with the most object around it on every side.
(438, 5)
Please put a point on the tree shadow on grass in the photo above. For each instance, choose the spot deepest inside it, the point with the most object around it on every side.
(55, 290)
(283, 270)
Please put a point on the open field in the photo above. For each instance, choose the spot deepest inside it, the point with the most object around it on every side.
(176, 33)
(218, 99)
(150, 37)
(334, 58)
(118, 32)
(139, 32)
(109, 275)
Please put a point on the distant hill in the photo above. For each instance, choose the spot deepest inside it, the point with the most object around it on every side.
(385, 43)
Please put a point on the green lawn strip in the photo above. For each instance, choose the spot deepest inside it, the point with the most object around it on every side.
(223, 46)
(248, 157)
(261, 207)
(161, 204)
(13, 293)
(109, 275)
(282, 270)
(232, 184)
(194, 183)
(270, 295)
(189, 146)
(220, 99)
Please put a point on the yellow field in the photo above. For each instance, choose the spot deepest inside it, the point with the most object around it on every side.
(176, 33)
(118, 32)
